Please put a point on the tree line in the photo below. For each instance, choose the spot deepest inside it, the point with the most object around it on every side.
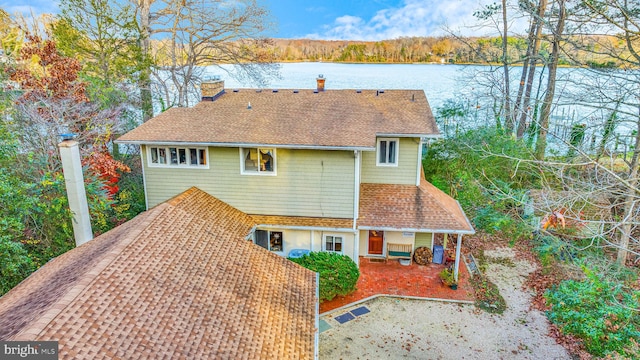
(444, 49)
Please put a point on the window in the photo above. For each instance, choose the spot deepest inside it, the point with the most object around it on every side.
(260, 161)
(387, 152)
(270, 240)
(168, 156)
(333, 243)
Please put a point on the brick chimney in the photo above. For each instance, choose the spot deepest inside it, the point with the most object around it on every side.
(211, 89)
(320, 82)
(74, 182)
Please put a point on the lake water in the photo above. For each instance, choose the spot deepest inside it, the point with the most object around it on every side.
(439, 82)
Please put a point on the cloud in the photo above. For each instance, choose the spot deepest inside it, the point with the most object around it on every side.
(411, 18)
(37, 7)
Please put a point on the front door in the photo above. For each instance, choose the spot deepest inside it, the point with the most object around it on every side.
(375, 242)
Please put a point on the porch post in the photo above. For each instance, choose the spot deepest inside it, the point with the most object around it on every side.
(457, 264)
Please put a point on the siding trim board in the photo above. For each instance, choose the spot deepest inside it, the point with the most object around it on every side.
(423, 136)
(311, 228)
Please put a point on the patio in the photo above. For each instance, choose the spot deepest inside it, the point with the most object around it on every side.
(389, 277)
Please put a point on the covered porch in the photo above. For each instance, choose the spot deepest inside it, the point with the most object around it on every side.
(389, 277)
(394, 220)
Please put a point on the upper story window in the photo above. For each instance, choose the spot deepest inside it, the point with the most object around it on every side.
(260, 161)
(168, 156)
(387, 152)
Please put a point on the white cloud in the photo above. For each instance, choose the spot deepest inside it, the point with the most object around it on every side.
(27, 7)
(412, 18)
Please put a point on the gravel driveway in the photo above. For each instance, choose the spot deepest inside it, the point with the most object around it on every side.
(418, 329)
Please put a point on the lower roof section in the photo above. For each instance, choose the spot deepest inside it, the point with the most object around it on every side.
(177, 281)
(423, 208)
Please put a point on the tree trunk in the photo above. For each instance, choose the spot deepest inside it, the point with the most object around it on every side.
(630, 200)
(522, 124)
(545, 113)
(144, 82)
(508, 119)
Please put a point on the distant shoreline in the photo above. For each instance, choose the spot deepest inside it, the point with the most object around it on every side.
(420, 63)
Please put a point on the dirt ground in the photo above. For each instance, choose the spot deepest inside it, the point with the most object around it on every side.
(418, 329)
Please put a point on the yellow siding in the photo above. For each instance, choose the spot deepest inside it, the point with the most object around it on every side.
(404, 173)
(363, 247)
(424, 239)
(308, 183)
(312, 240)
(397, 237)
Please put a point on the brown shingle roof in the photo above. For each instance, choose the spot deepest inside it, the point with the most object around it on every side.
(410, 207)
(303, 221)
(178, 281)
(333, 118)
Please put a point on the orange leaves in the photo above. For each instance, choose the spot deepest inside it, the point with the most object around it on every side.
(50, 74)
(107, 168)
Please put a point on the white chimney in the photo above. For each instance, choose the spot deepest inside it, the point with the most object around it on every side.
(74, 181)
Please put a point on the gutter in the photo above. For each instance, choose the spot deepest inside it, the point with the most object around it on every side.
(217, 144)
(306, 228)
(448, 231)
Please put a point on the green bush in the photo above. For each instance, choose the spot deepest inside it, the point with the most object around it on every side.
(338, 273)
(479, 168)
(15, 264)
(600, 312)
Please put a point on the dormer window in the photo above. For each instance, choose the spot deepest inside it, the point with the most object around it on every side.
(387, 152)
(258, 161)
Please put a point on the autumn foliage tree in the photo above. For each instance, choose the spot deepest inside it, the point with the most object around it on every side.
(54, 101)
(50, 99)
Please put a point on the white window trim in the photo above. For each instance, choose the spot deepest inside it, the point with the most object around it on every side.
(282, 252)
(324, 243)
(259, 172)
(174, 166)
(395, 163)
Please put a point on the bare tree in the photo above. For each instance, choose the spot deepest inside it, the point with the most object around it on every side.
(554, 57)
(194, 34)
(535, 39)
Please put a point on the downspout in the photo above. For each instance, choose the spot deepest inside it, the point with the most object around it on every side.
(356, 204)
(144, 177)
(316, 349)
(356, 187)
(419, 165)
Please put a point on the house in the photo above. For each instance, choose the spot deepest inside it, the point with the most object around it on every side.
(319, 170)
(179, 281)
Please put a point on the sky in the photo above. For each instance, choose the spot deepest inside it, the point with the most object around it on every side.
(342, 19)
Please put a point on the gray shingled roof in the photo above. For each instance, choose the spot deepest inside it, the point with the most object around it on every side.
(333, 118)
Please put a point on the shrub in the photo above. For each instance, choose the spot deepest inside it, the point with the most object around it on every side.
(338, 273)
(601, 313)
(15, 265)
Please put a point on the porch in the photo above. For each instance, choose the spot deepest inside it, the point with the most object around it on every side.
(389, 277)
